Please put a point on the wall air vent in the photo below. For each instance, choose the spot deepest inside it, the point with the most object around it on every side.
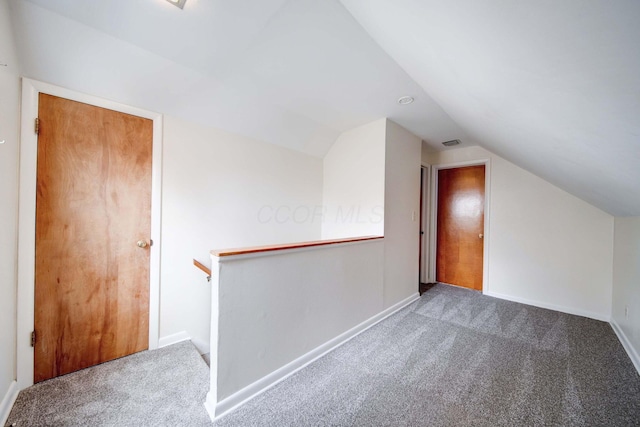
(451, 143)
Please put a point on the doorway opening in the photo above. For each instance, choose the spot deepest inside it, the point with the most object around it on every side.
(425, 282)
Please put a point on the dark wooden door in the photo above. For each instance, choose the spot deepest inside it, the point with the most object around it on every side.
(459, 253)
(93, 215)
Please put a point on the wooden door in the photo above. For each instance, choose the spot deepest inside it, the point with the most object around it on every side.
(460, 231)
(93, 205)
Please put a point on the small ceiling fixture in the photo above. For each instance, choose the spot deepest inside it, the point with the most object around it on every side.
(451, 143)
(405, 100)
(179, 3)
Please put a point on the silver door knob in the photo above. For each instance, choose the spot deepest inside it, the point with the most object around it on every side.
(480, 236)
(142, 244)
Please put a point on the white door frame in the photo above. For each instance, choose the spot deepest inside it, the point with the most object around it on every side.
(434, 217)
(27, 216)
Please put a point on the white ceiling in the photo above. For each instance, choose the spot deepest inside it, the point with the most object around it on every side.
(552, 86)
(294, 73)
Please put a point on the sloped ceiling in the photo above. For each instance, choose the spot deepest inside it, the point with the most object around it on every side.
(293, 73)
(551, 86)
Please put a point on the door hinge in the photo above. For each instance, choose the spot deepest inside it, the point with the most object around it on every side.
(33, 339)
(37, 126)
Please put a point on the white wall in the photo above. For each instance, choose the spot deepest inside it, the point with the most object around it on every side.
(353, 177)
(276, 308)
(222, 190)
(272, 309)
(626, 284)
(402, 214)
(546, 247)
(9, 125)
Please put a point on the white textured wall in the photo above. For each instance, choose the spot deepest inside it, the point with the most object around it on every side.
(353, 177)
(546, 246)
(626, 281)
(222, 190)
(9, 125)
(276, 308)
(402, 214)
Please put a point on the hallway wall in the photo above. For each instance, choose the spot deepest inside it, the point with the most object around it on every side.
(9, 149)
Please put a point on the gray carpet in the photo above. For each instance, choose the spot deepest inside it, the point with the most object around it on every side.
(453, 358)
(164, 387)
(459, 358)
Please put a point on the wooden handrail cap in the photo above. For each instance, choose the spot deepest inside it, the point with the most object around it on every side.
(286, 246)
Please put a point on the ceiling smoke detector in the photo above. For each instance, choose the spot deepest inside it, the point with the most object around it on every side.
(451, 143)
(405, 100)
(179, 3)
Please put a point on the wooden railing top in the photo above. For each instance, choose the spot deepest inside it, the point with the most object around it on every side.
(203, 267)
(259, 249)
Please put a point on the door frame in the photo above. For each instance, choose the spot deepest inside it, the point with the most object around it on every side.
(27, 216)
(434, 217)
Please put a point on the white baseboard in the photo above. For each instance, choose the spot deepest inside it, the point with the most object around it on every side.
(203, 347)
(561, 308)
(225, 406)
(7, 402)
(173, 339)
(633, 354)
(210, 406)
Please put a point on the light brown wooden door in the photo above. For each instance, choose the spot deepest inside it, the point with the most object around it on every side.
(93, 205)
(460, 226)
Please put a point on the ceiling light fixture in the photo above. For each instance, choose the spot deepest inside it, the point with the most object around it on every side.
(451, 143)
(405, 100)
(179, 3)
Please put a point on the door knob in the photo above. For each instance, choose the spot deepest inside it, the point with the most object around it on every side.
(480, 236)
(142, 244)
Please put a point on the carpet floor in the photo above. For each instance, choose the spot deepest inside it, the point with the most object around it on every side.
(164, 387)
(458, 358)
(453, 358)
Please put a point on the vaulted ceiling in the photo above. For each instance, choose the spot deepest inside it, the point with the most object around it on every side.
(551, 86)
